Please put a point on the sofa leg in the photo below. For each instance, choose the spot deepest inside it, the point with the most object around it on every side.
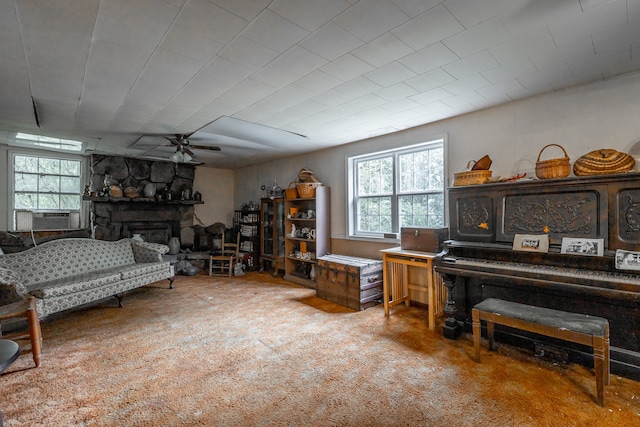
(171, 281)
(120, 297)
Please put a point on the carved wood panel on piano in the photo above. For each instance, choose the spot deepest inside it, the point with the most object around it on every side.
(479, 262)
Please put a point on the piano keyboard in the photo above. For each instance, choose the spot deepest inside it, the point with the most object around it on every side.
(545, 269)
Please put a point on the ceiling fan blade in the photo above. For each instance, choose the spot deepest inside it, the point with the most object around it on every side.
(206, 147)
(173, 141)
(186, 150)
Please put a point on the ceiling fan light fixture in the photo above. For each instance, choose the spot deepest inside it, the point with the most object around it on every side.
(177, 157)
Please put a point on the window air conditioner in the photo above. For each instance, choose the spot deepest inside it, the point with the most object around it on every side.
(40, 221)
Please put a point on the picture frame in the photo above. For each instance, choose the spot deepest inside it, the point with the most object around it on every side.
(580, 246)
(627, 260)
(531, 243)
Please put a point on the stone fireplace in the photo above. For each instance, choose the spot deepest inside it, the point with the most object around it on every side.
(156, 218)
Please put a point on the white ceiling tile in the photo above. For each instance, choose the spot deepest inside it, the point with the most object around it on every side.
(501, 90)
(247, 10)
(331, 41)
(592, 4)
(554, 57)
(396, 92)
(521, 47)
(592, 21)
(620, 38)
(473, 64)
(310, 15)
(365, 102)
(357, 87)
(545, 78)
(483, 36)
(299, 60)
(414, 8)
(144, 24)
(273, 31)
(430, 96)
(275, 76)
(466, 84)
(429, 58)
(382, 50)
(464, 102)
(390, 74)
(509, 71)
(332, 98)
(402, 104)
(430, 80)
(429, 28)
(369, 19)
(477, 11)
(190, 44)
(318, 81)
(535, 16)
(210, 21)
(347, 67)
(248, 53)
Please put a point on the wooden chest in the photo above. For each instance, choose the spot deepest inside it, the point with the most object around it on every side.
(350, 281)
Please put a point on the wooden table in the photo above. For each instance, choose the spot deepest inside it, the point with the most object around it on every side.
(396, 287)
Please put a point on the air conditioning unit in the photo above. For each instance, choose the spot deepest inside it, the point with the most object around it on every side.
(40, 221)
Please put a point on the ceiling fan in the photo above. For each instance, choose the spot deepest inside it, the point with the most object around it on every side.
(184, 148)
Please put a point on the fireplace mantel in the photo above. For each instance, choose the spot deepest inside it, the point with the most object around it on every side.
(141, 200)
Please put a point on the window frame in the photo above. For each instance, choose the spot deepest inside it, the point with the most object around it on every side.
(11, 210)
(351, 203)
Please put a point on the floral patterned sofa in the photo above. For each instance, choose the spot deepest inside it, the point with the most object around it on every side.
(66, 273)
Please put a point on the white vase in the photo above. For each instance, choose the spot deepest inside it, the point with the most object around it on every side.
(174, 245)
(149, 190)
(137, 237)
(312, 273)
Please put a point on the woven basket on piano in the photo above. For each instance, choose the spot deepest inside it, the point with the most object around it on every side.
(553, 168)
(471, 177)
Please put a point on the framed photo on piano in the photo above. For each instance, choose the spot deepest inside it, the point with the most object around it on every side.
(531, 242)
(577, 246)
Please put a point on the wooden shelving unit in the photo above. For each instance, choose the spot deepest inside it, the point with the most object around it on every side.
(300, 264)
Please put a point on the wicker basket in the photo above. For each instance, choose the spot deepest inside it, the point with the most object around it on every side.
(131, 192)
(115, 191)
(553, 168)
(307, 190)
(471, 177)
(291, 193)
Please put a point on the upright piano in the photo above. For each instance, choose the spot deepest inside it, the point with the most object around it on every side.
(478, 260)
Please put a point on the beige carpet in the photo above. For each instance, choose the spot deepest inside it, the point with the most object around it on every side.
(257, 351)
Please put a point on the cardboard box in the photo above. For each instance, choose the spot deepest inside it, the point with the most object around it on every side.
(423, 239)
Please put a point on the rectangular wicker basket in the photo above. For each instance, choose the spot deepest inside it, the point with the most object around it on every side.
(471, 177)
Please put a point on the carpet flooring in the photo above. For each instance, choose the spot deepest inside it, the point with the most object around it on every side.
(255, 350)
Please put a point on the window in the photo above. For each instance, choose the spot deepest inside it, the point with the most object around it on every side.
(48, 186)
(397, 188)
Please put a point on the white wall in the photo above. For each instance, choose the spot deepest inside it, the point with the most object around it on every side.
(217, 189)
(605, 114)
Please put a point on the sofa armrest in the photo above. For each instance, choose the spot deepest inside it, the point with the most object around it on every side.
(148, 252)
(11, 287)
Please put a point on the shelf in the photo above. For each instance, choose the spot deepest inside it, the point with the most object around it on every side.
(141, 200)
(292, 258)
(300, 239)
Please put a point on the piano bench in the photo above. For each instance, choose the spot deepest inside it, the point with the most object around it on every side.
(573, 327)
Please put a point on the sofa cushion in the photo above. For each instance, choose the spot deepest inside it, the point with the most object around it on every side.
(69, 285)
(135, 270)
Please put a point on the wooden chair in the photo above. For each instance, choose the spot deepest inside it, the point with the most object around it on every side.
(25, 309)
(223, 264)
